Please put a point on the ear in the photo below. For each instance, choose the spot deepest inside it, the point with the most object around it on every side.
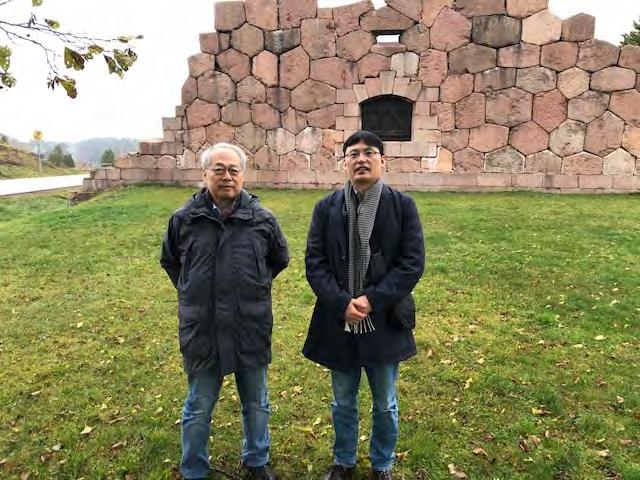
(204, 175)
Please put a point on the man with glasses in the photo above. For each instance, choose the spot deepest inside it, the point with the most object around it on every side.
(365, 253)
(222, 250)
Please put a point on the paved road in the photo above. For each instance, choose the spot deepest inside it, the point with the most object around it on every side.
(40, 184)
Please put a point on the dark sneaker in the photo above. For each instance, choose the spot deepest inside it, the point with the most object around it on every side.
(258, 473)
(381, 475)
(338, 472)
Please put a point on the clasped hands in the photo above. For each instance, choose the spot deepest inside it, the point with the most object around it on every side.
(357, 310)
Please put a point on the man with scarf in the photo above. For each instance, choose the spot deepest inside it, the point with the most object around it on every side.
(365, 254)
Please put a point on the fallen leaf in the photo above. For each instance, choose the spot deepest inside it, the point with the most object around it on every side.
(79, 324)
(467, 384)
(87, 430)
(535, 440)
(119, 445)
(540, 411)
(35, 394)
(159, 410)
(489, 438)
(604, 453)
(401, 456)
(456, 472)
(177, 422)
(480, 451)
(480, 361)
(619, 399)
(430, 353)
(25, 476)
(625, 442)
(317, 421)
(57, 447)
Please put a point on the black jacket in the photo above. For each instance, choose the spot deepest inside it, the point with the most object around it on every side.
(397, 263)
(222, 271)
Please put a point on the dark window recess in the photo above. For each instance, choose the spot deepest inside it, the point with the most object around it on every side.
(388, 116)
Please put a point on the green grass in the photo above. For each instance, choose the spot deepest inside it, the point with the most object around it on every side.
(16, 163)
(517, 292)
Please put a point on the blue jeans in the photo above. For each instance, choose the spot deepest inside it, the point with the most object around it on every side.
(204, 389)
(384, 435)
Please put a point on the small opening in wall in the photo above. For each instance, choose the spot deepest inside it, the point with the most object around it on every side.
(388, 38)
(389, 117)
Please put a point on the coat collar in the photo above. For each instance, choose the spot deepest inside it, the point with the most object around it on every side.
(201, 206)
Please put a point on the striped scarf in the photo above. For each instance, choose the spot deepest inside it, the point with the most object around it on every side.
(361, 218)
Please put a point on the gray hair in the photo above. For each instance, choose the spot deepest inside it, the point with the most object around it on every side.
(205, 156)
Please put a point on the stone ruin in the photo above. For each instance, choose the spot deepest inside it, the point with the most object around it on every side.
(476, 95)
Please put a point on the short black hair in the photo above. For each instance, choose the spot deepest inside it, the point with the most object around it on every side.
(366, 137)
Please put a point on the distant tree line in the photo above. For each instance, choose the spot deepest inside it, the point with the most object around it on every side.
(60, 157)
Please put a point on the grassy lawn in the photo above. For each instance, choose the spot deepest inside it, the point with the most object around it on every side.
(529, 320)
(15, 163)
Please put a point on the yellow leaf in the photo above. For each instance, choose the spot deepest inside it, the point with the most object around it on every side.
(87, 430)
(599, 338)
(317, 422)
(479, 451)
(604, 453)
(456, 472)
(401, 456)
(619, 399)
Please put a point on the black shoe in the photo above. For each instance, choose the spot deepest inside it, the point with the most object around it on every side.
(380, 475)
(259, 473)
(338, 472)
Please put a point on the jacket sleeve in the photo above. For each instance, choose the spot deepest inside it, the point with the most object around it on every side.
(170, 256)
(407, 268)
(319, 274)
(278, 255)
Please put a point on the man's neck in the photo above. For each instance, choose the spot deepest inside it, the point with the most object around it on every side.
(362, 187)
(225, 205)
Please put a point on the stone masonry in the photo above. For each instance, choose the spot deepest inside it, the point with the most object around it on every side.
(505, 96)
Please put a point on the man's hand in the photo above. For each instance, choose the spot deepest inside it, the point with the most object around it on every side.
(352, 315)
(362, 304)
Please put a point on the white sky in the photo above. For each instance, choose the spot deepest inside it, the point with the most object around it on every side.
(134, 106)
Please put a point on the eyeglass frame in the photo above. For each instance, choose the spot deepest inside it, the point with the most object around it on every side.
(369, 152)
(223, 169)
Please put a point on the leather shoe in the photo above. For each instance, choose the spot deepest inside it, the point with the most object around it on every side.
(381, 475)
(259, 473)
(338, 472)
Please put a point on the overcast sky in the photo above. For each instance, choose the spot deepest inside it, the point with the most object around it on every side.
(134, 106)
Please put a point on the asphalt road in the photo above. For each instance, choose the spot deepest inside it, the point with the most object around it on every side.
(40, 184)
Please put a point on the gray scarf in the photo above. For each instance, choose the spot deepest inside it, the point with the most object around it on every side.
(361, 218)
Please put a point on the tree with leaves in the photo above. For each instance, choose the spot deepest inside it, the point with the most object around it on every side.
(61, 48)
(633, 37)
(108, 157)
(60, 157)
(4, 140)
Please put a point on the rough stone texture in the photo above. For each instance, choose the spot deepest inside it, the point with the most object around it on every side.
(505, 160)
(405, 64)
(627, 106)
(604, 134)
(234, 64)
(294, 68)
(323, 160)
(279, 98)
(529, 138)
(216, 87)
(265, 115)
(281, 141)
(248, 40)
(295, 161)
(318, 37)
(630, 57)
(578, 28)
(545, 162)
(265, 68)
(417, 38)
(201, 113)
(432, 68)
(385, 19)
(573, 82)
(559, 56)
(496, 31)
(334, 71)
(476, 8)
(455, 140)
(325, 117)
(403, 165)
(521, 55)
(568, 138)
(536, 79)
(201, 62)
(595, 55)
(450, 30)
(612, 79)
(293, 120)
(312, 95)
(189, 91)
(456, 87)
(525, 8)
(229, 15)
(220, 132)
(210, 43)
(470, 111)
(445, 114)
(371, 65)
(588, 106)
(542, 28)
(251, 90)
(549, 109)
(236, 114)
(410, 8)
(262, 13)
(495, 79)
(472, 58)
(309, 140)
(355, 45)
(631, 140)
(468, 160)
(194, 138)
(488, 137)
(509, 107)
(280, 41)
(388, 49)
(619, 162)
(582, 163)
(250, 136)
(292, 12)
(266, 159)
(432, 8)
(347, 17)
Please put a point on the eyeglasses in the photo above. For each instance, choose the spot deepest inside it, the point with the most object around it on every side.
(368, 153)
(220, 170)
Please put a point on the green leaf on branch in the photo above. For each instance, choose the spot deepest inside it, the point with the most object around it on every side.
(69, 84)
(5, 58)
(113, 66)
(95, 49)
(53, 24)
(7, 80)
(36, 3)
(125, 59)
(73, 59)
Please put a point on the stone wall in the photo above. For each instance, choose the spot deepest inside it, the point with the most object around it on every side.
(506, 96)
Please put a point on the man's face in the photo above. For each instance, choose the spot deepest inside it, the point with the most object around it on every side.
(224, 178)
(364, 164)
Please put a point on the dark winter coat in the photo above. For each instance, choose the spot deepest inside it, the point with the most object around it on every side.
(223, 271)
(397, 263)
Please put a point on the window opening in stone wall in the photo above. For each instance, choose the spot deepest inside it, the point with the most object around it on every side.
(389, 117)
(388, 38)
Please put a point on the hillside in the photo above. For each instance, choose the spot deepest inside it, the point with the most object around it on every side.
(15, 163)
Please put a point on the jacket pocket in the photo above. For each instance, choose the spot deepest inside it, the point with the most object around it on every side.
(192, 332)
(403, 314)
